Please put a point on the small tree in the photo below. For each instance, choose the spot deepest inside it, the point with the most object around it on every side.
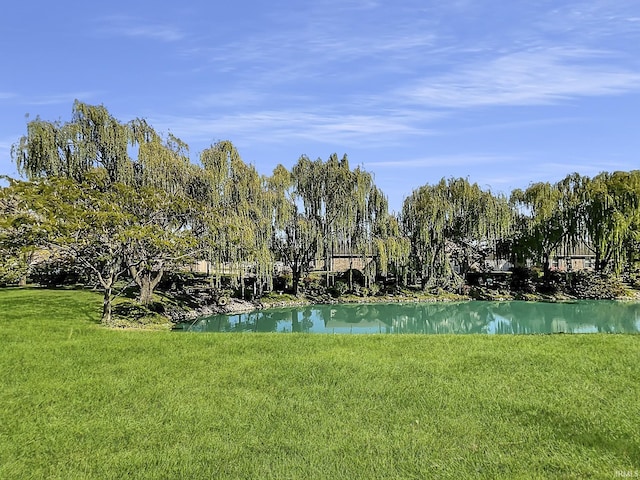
(160, 236)
(108, 231)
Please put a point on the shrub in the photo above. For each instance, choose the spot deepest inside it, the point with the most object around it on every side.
(339, 289)
(57, 271)
(281, 282)
(591, 285)
(522, 280)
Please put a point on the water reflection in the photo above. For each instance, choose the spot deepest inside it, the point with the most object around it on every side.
(459, 318)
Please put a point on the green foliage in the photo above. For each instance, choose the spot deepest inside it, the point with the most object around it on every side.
(340, 288)
(13, 268)
(452, 225)
(322, 208)
(57, 271)
(106, 231)
(611, 215)
(123, 200)
(523, 280)
(236, 221)
(599, 214)
(595, 285)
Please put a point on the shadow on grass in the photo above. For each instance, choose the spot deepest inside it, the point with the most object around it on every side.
(573, 429)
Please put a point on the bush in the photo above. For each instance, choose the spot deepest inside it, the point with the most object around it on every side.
(313, 285)
(553, 283)
(281, 282)
(597, 286)
(339, 289)
(522, 280)
(57, 271)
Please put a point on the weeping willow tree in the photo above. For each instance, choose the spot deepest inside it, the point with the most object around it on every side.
(323, 190)
(237, 222)
(92, 139)
(340, 210)
(391, 248)
(374, 233)
(548, 218)
(610, 217)
(325, 208)
(295, 238)
(451, 225)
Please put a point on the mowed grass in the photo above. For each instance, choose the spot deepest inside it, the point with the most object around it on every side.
(81, 401)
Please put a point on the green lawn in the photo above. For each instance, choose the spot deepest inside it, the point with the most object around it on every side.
(81, 401)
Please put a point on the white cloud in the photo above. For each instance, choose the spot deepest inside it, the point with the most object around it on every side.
(525, 78)
(132, 27)
(593, 20)
(284, 125)
(454, 160)
(60, 98)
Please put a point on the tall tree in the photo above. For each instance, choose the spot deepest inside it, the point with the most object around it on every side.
(610, 208)
(160, 238)
(542, 220)
(549, 219)
(92, 139)
(237, 227)
(295, 238)
(451, 225)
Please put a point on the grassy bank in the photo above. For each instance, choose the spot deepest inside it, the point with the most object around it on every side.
(81, 401)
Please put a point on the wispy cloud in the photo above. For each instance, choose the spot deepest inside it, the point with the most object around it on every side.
(526, 78)
(592, 20)
(139, 28)
(59, 98)
(454, 160)
(271, 126)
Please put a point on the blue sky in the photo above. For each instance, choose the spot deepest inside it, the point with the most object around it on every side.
(504, 93)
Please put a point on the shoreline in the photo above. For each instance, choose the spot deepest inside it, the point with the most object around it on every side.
(238, 306)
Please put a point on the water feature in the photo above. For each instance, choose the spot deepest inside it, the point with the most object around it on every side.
(514, 317)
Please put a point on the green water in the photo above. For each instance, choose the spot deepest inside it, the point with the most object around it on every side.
(588, 316)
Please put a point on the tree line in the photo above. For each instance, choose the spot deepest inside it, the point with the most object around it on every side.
(123, 201)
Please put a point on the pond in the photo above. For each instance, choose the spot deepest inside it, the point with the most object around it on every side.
(513, 317)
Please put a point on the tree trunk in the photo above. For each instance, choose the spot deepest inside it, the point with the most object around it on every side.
(106, 306)
(598, 261)
(146, 292)
(146, 284)
(295, 275)
(242, 286)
